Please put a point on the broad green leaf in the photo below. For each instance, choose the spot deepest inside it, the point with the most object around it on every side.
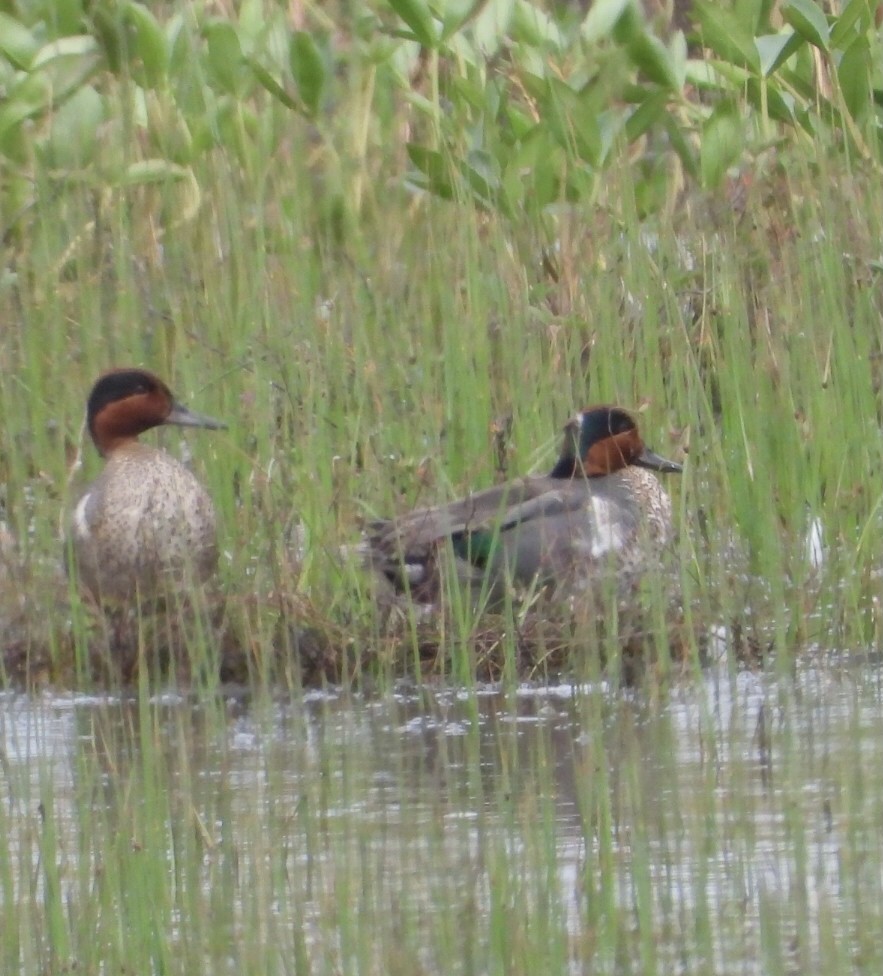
(73, 136)
(535, 26)
(176, 30)
(455, 15)
(533, 62)
(704, 75)
(492, 25)
(482, 176)
(722, 31)
(629, 26)
(30, 96)
(147, 42)
(854, 75)
(483, 169)
(775, 49)
(273, 47)
(856, 18)
(648, 114)
(472, 91)
(308, 70)
(543, 167)
(610, 124)
(252, 23)
(67, 17)
(519, 122)
(224, 60)
(419, 20)
(602, 17)
(432, 165)
(512, 187)
(17, 43)
(585, 139)
(721, 145)
(678, 50)
(461, 49)
(573, 118)
(652, 57)
(581, 184)
(68, 63)
(749, 13)
(30, 93)
(806, 17)
(801, 74)
(107, 30)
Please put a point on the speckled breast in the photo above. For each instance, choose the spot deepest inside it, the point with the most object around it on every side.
(145, 528)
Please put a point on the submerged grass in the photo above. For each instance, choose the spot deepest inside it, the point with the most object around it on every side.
(729, 828)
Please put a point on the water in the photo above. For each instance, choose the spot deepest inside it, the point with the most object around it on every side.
(733, 826)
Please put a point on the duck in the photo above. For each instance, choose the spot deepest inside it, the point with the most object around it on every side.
(600, 510)
(145, 527)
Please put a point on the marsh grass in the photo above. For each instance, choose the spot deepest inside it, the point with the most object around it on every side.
(374, 349)
(445, 830)
(367, 376)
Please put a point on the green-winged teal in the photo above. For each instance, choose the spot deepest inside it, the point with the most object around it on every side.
(146, 526)
(599, 510)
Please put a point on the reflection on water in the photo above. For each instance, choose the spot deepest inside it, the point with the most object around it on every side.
(734, 827)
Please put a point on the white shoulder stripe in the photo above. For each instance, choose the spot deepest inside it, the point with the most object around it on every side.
(81, 523)
(607, 534)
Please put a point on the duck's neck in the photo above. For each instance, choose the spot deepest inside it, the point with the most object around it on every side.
(567, 468)
(119, 446)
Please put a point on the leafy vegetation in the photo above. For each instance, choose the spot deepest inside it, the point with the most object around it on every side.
(511, 106)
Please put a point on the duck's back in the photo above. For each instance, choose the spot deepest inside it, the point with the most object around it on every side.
(144, 525)
(537, 529)
(583, 527)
